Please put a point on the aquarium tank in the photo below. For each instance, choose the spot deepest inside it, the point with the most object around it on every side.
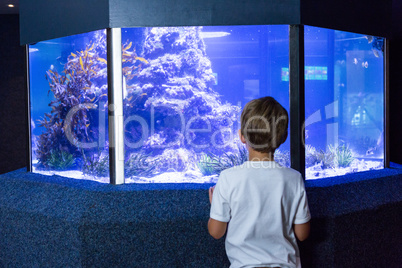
(344, 102)
(68, 106)
(183, 92)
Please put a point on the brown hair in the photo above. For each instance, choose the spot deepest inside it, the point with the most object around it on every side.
(264, 124)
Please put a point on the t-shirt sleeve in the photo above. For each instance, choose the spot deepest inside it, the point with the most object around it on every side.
(220, 209)
(302, 210)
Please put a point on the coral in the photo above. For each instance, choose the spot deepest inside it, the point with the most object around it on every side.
(343, 156)
(137, 165)
(174, 160)
(282, 158)
(174, 95)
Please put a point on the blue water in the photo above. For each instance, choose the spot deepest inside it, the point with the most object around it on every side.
(344, 111)
(68, 85)
(183, 91)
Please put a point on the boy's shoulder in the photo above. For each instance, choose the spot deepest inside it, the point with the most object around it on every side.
(250, 166)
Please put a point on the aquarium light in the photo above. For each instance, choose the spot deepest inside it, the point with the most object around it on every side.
(10, 5)
(213, 34)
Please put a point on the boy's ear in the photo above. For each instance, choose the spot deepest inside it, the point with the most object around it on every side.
(242, 139)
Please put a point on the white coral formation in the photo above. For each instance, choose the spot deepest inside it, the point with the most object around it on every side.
(175, 96)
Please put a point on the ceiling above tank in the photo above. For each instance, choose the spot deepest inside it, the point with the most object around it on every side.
(45, 19)
(9, 7)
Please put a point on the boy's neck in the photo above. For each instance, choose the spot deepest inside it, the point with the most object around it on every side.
(254, 155)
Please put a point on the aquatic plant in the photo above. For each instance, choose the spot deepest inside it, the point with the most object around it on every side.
(211, 164)
(82, 81)
(96, 164)
(46, 142)
(137, 165)
(132, 63)
(319, 157)
(206, 165)
(325, 158)
(60, 160)
(343, 156)
(339, 156)
(282, 158)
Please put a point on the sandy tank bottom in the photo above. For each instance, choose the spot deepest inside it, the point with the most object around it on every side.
(195, 176)
(190, 176)
(317, 172)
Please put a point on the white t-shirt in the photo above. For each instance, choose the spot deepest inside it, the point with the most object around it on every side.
(261, 200)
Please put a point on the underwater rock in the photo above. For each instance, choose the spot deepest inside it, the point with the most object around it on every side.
(282, 158)
(174, 160)
(359, 164)
(317, 167)
(178, 100)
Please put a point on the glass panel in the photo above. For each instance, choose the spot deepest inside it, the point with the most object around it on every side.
(184, 88)
(68, 94)
(344, 102)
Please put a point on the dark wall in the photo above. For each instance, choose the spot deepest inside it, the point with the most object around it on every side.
(131, 13)
(395, 81)
(359, 16)
(47, 19)
(12, 96)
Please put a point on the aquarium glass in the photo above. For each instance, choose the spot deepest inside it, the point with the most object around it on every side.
(184, 88)
(68, 97)
(344, 92)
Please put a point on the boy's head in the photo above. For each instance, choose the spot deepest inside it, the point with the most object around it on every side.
(264, 124)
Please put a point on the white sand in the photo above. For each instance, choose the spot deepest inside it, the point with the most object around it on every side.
(167, 177)
(316, 172)
(195, 176)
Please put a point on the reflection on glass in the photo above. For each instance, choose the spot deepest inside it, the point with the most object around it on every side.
(344, 102)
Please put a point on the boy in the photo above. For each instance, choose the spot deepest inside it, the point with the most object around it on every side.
(264, 203)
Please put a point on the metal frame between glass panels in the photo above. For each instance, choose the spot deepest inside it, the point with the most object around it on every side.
(28, 111)
(296, 96)
(115, 105)
(386, 104)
